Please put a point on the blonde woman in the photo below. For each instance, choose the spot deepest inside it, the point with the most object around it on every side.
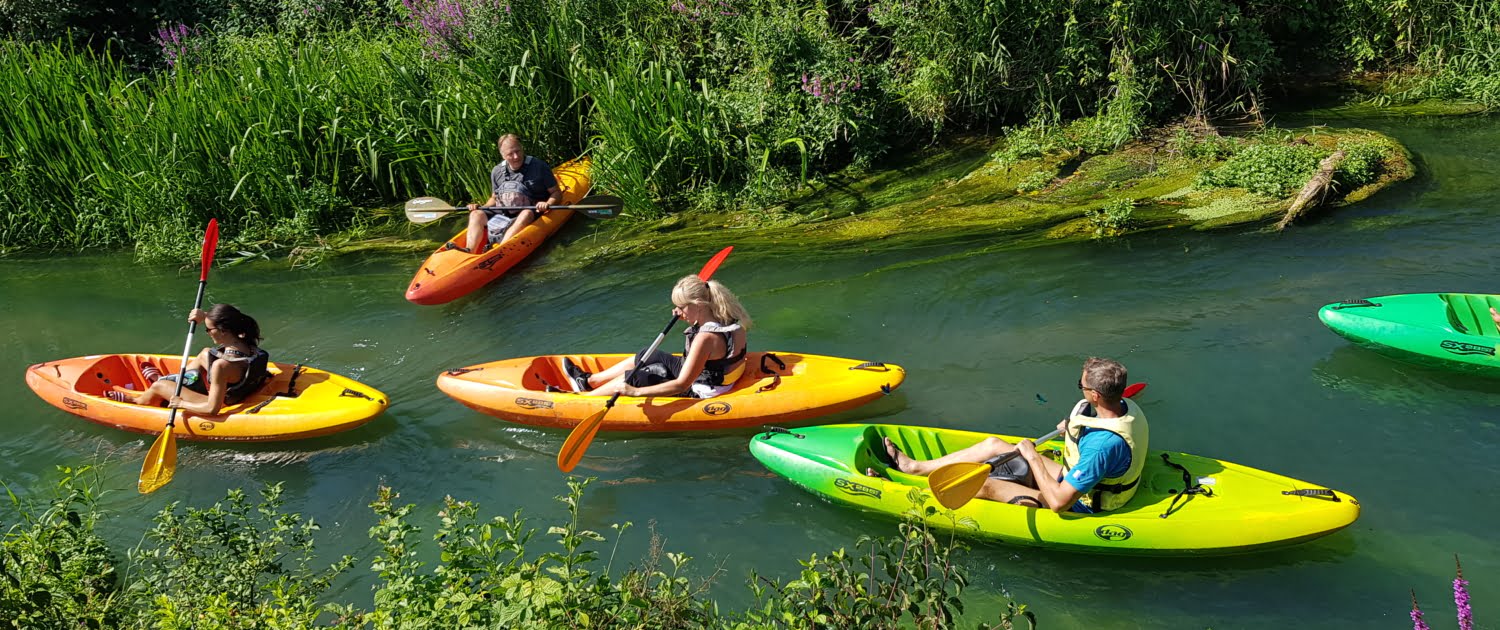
(713, 359)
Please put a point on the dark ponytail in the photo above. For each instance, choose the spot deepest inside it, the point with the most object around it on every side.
(229, 318)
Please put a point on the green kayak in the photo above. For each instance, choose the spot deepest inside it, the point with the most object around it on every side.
(1446, 330)
(1226, 509)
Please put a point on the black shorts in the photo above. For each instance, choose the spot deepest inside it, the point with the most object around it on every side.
(658, 368)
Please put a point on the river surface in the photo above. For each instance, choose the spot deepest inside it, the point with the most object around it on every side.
(1222, 326)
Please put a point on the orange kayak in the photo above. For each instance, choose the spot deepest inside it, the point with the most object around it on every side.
(319, 402)
(798, 387)
(449, 274)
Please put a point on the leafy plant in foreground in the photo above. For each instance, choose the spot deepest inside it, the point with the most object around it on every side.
(54, 569)
(239, 564)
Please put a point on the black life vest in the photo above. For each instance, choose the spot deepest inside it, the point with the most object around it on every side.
(722, 371)
(256, 373)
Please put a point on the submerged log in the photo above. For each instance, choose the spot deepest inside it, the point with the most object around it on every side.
(1314, 191)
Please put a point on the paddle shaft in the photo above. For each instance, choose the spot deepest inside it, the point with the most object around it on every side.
(187, 349)
(649, 351)
(428, 209)
(1016, 453)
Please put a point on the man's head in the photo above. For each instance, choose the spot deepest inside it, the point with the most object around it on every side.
(1105, 377)
(512, 152)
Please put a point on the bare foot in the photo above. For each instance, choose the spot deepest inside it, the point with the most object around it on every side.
(1495, 315)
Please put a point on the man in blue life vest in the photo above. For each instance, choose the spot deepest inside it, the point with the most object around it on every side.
(518, 180)
(1105, 442)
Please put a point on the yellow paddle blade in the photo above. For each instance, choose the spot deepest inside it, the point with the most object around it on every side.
(578, 441)
(160, 464)
(956, 484)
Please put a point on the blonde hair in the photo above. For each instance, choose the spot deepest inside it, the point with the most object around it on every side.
(510, 137)
(726, 307)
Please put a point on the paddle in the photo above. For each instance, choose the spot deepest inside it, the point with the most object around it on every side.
(958, 483)
(583, 434)
(428, 209)
(161, 460)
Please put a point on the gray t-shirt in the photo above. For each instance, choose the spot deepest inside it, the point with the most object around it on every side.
(535, 179)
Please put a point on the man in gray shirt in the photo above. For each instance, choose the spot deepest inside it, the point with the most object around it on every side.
(518, 180)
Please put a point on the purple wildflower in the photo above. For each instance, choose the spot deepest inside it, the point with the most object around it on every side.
(1461, 598)
(1416, 614)
(174, 42)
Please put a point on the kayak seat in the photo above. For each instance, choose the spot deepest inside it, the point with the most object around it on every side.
(1469, 313)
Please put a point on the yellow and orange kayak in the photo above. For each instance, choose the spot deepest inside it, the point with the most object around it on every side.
(775, 387)
(297, 402)
(449, 274)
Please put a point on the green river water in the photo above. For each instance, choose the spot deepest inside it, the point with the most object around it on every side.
(1221, 325)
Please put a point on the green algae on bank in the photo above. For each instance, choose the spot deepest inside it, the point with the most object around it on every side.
(965, 192)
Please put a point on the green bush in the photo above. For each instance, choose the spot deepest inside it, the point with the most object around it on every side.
(1034, 182)
(1273, 170)
(57, 571)
(1361, 165)
(238, 565)
(1111, 218)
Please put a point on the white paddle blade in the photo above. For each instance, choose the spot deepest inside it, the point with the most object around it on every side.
(427, 209)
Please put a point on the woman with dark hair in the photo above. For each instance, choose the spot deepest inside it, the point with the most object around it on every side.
(221, 375)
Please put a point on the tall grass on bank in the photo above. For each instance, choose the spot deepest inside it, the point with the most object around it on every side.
(285, 128)
(281, 138)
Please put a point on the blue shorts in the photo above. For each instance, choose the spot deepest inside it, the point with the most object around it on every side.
(194, 381)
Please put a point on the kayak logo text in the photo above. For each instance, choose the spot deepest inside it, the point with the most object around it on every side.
(533, 403)
(850, 487)
(716, 408)
(1459, 347)
(74, 404)
(1113, 533)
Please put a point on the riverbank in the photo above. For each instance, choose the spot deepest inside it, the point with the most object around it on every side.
(988, 190)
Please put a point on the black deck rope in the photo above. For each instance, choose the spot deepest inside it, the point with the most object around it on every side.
(458, 371)
(291, 391)
(1321, 493)
(354, 394)
(871, 364)
(770, 430)
(1189, 486)
(1355, 303)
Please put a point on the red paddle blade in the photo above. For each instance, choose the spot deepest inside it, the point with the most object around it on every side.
(713, 263)
(210, 245)
(1132, 390)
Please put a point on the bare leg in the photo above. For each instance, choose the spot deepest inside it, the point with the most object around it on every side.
(161, 391)
(1004, 491)
(611, 373)
(522, 220)
(987, 449)
(1495, 315)
(478, 231)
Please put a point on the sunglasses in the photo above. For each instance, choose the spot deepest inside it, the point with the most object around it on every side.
(1081, 386)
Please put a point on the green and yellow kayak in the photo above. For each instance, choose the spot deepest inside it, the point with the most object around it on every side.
(1446, 330)
(1229, 508)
